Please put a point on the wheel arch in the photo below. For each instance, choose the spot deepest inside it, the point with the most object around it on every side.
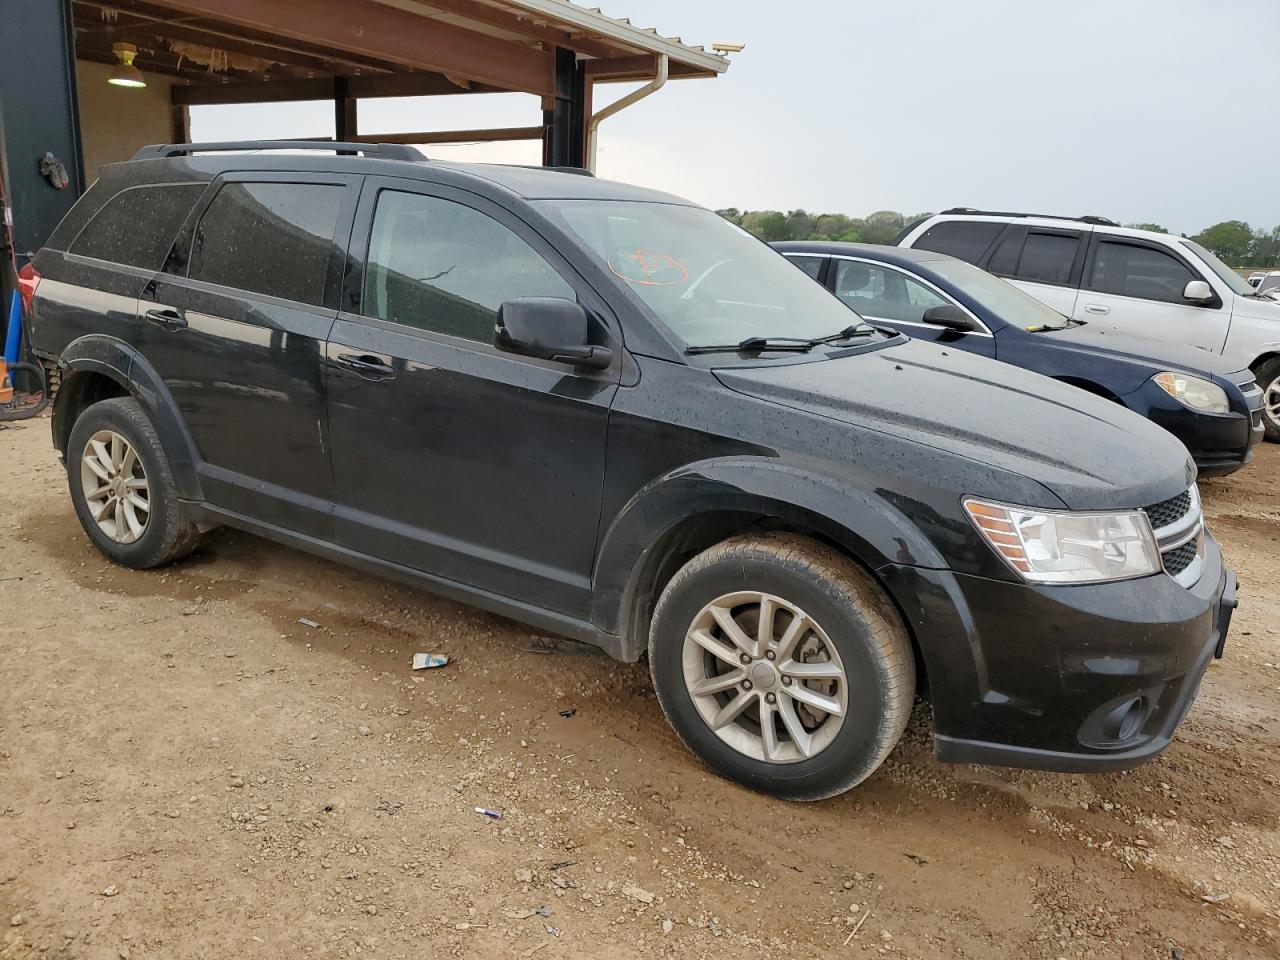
(97, 367)
(1262, 359)
(680, 515)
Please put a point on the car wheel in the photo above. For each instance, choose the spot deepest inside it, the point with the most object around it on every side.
(123, 489)
(1268, 375)
(782, 665)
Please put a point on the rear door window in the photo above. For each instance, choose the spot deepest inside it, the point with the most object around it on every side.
(1047, 257)
(1132, 270)
(966, 239)
(275, 239)
(137, 226)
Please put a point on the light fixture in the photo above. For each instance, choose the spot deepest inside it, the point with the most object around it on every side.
(125, 74)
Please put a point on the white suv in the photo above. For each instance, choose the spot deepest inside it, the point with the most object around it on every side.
(1147, 284)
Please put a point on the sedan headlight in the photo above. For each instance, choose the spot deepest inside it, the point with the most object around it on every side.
(1194, 392)
(1052, 546)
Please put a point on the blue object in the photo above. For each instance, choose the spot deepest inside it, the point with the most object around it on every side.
(13, 332)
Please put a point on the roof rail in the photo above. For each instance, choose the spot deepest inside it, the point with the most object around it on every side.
(576, 171)
(381, 151)
(1101, 221)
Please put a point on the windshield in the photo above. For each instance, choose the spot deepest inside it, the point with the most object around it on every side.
(1238, 284)
(1002, 298)
(706, 280)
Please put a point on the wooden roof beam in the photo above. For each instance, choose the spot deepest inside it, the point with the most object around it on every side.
(321, 88)
(391, 35)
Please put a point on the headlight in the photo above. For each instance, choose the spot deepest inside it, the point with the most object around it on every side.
(1194, 392)
(1050, 546)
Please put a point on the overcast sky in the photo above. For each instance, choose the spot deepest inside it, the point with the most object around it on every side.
(1139, 110)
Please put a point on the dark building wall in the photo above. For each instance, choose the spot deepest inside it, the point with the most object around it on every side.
(38, 114)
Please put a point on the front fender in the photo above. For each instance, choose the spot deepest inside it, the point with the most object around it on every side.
(868, 526)
(117, 360)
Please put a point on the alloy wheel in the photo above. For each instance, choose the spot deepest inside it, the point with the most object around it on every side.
(115, 486)
(1271, 401)
(765, 677)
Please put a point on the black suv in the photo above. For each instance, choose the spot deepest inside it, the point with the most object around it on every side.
(568, 401)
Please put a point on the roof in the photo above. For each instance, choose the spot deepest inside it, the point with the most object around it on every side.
(621, 30)
(537, 183)
(185, 161)
(401, 47)
(834, 248)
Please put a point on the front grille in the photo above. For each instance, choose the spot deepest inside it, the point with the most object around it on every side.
(1169, 511)
(1175, 561)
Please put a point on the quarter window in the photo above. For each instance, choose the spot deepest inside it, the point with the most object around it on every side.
(966, 239)
(810, 265)
(1130, 270)
(1004, 259)
(883, 293)
(275, 239)
(1047, 257)
(136, 227)
(445, 267)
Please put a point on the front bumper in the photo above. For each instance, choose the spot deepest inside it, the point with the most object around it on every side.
(1079, 678)
(1220, 443)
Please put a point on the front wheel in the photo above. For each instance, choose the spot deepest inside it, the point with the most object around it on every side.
(1268, 376)
(782, 665)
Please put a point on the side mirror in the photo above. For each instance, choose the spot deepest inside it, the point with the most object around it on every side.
(1197, 291)
(548, 328)
(950, 316)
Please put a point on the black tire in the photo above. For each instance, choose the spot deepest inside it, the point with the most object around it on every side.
(1268, 376)
(856, 615)
(167, 535)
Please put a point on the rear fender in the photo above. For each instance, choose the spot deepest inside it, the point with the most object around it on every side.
(122, 363)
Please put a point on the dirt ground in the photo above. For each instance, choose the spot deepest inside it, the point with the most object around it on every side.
(188, 771)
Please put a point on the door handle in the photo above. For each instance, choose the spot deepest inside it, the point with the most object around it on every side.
(366, 365)
(1097, 308)
(165, 317)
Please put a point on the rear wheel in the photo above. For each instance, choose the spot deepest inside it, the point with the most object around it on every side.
(782, 665)
(1268, 375)
(122, 486)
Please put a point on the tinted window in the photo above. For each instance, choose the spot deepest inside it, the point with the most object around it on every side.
(1047, 257)
(270, 238)
(810, 265)
(884, 293)
(1004, 259)
(442, 266)
(966, 239)
(1133, 271)
(137, 226)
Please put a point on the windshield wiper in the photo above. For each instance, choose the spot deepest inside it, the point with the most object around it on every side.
(792, 344)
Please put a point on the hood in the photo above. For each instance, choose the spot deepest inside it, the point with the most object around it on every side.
(1154, 355)
(1089, 452)
(1257, 308)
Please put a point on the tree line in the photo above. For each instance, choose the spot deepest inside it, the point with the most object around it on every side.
(1237, 243)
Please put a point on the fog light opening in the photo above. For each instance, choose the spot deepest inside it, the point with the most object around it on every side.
(1127, 719)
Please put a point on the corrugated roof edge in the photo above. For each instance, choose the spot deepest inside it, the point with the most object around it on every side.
(593, 19)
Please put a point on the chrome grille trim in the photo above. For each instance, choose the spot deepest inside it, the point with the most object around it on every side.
(1174, 536)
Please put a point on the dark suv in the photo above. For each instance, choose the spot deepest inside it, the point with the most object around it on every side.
(567, 401)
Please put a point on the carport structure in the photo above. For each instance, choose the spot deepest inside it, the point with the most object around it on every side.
(253, 51)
